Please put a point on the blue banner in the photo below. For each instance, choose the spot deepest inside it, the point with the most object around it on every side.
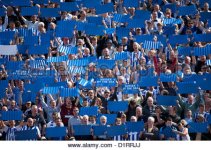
(167, 100)
(28, 96)
(40, 1)
(151, 45)
(204, 16)
(130, 89)
(90, 111)
(95, 20)
(168, 77)
(37, 63)
(204, 84)
(136, 23)
(11, 115)
(51, 90)
(209, 119)
(14, 65)
(182, 87)
(200, 51)
(69, 6)
(171, 21)
(178, 39)
(91, 3)
(57, 59)
(110, 30)
(122, 32)
(67, 92)
(106, 82)
(74, 70)
(131, 3)
(101, 9)
(82, 129)
(121, 56)
(148, 81)
(186, 51)
(202, 38)
(68, 50)
(39, 49)
(20, 3)
(187, 10)
(116, 106)
(49, 12)
(29, 11)
(51, 132)
(2, 12)
(168, 133)
(65, 28)
(26, 135)
(143, 38)
(99, 130)
(169, 30)
(31, 40)
(135, 126)
(78, 62)
(143, 14)
(91, 29)
(116, 130)
(121, 18)
(195, 127)
(105, 64)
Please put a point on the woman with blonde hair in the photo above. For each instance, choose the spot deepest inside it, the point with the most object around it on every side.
(101, 109)
(183, 131)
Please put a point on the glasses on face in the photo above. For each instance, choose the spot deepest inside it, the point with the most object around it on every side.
(75, 110)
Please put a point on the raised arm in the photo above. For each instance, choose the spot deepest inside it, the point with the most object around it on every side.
(44, 105)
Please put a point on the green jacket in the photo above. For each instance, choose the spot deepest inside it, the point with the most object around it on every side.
(193, 107)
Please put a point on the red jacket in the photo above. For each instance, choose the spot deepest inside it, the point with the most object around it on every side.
(65, 111)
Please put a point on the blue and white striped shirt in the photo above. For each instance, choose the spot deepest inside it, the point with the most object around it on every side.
(10, 134)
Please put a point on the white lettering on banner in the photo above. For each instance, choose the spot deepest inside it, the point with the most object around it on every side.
(130, 87)
(106, 81)
(8, 49)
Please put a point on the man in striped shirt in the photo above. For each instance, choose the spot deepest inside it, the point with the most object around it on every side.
(30, 126)
(10, 134)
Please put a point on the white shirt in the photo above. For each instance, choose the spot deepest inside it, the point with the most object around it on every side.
(31, 25)
(51, 124)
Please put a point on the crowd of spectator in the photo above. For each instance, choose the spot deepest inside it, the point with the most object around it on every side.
(47, 110)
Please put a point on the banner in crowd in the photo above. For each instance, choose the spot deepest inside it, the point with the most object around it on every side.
(166, 100)
(11, 115)
(8, 49)
(106, 82)
(26, 135)
(117, 106)
(196, 127)
(53, 132)
(90, 111)
(67, 92)
(135, 126)
(130, 89)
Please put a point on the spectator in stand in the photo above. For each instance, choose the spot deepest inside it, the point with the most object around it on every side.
(66, 110)
(150, 132)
